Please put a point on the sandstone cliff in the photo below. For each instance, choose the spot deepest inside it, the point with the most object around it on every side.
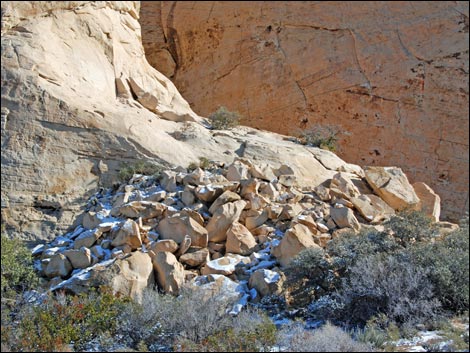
(79, 100)
(392, 74)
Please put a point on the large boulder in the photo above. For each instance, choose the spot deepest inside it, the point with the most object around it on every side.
(266, 282)
(223, 218)
(128, 234)
(144, 209)
(392, 185)
(58, 266)
(429, 201)
(178, 226)
(344, 217)
(169, 272)
(296, 239)
(372, 207)
(240, 240)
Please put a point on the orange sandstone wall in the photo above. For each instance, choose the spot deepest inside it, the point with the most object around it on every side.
(394, 75)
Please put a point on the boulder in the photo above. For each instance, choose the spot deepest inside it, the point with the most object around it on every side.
(224, 265)
(58, 266)
(344, 217)
(79, 258)
(227, 196)
(266, 282)
(240, 240)
(128, 276)
(169, 272)
(87, 239)
(168, 245)
(294, 240)
(195, 258)
(128, 234)
(237, 171)
(341, 186)
(144, 209)
(177, 226)
(254, 219)
(223, 218)
(372, 207)
(429, 201)
(392, 185)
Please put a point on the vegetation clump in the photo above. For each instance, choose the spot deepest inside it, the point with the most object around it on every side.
(223, 119)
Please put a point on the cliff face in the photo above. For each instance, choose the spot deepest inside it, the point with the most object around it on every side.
(394, 75)
(78, 100)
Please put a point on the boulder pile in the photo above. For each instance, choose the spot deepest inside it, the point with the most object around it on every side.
(241, 223)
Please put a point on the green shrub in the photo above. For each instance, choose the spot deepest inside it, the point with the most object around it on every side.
(140, 167)
(18, 273)
(307, 276)
(389, 284)
(250, 332)
(322, 136)
(66, 321)
(186, 132)
(411, 226)
(224, 119)
(447, 262)
(204, 163)
(347, 249)
(328, 338)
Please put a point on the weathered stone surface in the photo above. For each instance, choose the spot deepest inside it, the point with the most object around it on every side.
(128, 234)
(295, 240)
(392, 185)
(87, 239)
(392, 75)
(58, 266)
(227, 196)
(195, 258)
(240, 240)
(266, 282)
(177, 226)
(169, 272)
(128, 276)
(168, 245)
(429, 201)
(144, 209)
(79, 258)
(344, 218)
(223, 266)
(223, 218)
(342, 186)
(372, 207)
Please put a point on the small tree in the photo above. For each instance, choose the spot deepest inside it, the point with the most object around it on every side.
(224, 119)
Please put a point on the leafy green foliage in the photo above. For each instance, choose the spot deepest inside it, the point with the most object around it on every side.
(204, 163)
(64, 321)
(322, 136)
(17, 267)
(223, 119)
(410, 226)
(447, 261)
(139, 167)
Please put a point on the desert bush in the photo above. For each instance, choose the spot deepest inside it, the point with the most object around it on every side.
(322, 136)
(391, 285)
(140, 167)
(204, 163)
(223, 119)
(350, 247)
(447, 263)
(186, 132)
(17, 273)
(308, 276)
(328, 338)
(250, 331)
(410, 226)
(65, 321)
